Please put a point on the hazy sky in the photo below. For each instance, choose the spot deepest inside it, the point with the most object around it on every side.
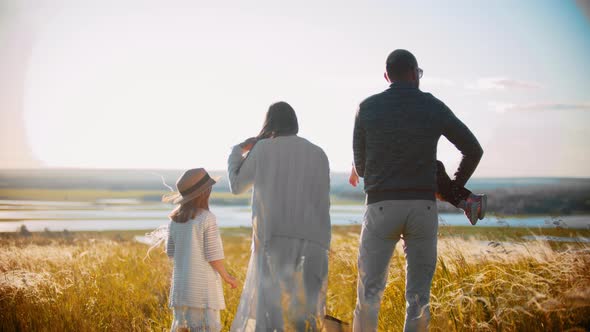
(173, 84)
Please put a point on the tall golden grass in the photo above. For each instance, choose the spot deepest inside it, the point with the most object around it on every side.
(104, 282)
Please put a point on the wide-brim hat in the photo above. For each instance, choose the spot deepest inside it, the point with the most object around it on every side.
(190, 185)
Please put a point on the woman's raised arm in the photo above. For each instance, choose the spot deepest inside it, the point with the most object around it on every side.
(241, 170)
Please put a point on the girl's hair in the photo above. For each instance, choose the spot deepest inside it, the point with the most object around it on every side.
(280, 121)
(187, 211)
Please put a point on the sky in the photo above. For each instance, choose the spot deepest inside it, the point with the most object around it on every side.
(154, 84)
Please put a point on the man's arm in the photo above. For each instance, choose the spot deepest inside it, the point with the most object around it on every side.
(358, 145)
(464, 140)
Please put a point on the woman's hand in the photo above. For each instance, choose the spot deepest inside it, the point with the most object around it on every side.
(248, 144)
(354, 178)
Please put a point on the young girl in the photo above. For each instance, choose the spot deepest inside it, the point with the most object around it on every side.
(473, 205)
(194, 244)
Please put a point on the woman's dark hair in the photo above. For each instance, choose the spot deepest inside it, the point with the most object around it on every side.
(280, 121)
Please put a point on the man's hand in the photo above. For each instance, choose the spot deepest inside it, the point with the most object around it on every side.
(354, 178)
(248, 144)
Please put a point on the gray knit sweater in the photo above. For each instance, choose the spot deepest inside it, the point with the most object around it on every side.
(396, 133)
(291, 195)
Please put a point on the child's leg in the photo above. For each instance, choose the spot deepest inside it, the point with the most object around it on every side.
(474, 206)
(447, 190)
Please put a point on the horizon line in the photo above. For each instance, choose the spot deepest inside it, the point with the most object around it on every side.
(225, 171)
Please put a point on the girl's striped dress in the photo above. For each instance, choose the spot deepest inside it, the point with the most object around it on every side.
(196, 293)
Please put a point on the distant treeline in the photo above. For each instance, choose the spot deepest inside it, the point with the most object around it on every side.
(558, 196)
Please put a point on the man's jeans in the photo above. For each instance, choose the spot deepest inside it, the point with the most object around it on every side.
(385, 222)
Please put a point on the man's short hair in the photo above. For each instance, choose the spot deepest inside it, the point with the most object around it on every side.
(399, 62)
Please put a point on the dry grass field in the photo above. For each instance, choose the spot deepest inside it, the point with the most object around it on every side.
(486, 280)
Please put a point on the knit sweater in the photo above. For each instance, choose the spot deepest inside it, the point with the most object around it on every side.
(192, 245)
(395, 139)
(291, 188)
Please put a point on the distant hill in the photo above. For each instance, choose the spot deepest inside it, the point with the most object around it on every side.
(507, 195)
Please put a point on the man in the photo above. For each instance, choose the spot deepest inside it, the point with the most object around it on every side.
(395, 138)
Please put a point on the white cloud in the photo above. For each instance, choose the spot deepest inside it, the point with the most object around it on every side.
(507, 107)
(500, 107)
(436, 81)
(502, 83)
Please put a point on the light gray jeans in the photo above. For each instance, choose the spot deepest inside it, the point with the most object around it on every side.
(385, 222)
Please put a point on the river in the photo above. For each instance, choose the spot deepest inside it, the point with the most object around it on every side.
(135, 215)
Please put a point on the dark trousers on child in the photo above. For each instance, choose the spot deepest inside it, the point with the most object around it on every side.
(447, 189)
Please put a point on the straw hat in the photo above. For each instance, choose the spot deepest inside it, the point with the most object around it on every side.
(191, 184)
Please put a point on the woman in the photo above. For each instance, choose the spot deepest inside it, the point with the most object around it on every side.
(286, 281)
